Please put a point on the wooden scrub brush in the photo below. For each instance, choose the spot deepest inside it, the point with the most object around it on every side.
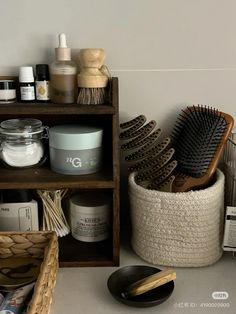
(93, 77)
(199, 138)
(147, 156)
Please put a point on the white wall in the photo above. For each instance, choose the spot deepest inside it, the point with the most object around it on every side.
(166, 53)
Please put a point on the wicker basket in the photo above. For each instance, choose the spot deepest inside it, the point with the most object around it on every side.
(178, 229)
(38, 244)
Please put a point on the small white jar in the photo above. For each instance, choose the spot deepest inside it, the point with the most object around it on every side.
(21, 143)
(90, 216)
(7, 91)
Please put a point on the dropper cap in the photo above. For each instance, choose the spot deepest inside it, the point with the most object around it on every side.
(63, 53)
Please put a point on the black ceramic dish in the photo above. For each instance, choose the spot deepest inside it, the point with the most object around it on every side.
(123, 277)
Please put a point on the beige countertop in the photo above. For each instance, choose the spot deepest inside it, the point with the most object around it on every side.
(84, 290)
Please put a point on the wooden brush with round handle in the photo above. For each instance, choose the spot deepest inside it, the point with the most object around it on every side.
(93, 77)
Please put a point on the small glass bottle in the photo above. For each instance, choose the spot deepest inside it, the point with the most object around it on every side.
(42, 83)
(63, 83)
(26, 83)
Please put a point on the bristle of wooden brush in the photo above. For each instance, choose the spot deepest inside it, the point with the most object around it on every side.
(92, 96)
(199, 138)
(196, 138)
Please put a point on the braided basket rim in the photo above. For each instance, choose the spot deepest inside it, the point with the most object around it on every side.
(39, 304)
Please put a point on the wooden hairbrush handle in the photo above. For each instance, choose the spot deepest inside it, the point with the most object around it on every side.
(185, 183)
(149, 283)
(91, 62)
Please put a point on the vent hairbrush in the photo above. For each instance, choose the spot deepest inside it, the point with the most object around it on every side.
(199, 138)
(145, 154)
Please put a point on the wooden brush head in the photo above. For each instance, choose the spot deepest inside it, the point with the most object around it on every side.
(199, 138)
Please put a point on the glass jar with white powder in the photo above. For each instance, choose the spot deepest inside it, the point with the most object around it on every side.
(22, 143)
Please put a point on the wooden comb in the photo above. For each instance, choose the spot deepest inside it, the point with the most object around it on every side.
(165, 186)
(199, 138)
(146, 151)
(146, 155)
(156, 170)
(153, 162)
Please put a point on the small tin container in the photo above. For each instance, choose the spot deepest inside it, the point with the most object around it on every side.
(90, 216)
(75, 149)
(7, 91)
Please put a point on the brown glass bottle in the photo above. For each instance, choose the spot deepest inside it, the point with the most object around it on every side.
(63, 84)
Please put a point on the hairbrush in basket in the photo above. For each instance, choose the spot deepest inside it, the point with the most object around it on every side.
(147, 156)
(199, 138)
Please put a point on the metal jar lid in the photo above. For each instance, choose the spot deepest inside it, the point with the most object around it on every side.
(7, 84)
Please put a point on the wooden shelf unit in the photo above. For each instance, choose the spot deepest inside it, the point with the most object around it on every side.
(72, 252)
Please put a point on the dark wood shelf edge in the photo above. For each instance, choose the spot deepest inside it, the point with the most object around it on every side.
(34, 108)
(43, 177)
(94, 263)
(49, 108)
(116, 173)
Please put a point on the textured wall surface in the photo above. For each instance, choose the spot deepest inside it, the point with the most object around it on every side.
(166, 53)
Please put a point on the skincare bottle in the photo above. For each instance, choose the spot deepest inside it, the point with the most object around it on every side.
(42, 83)
(26, 83)
(63, 85)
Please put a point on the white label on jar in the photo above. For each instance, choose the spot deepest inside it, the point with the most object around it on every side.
(27, 93)
(76, 162)
(42, 90)
(25, 218)
(7, 94)
(89, 227)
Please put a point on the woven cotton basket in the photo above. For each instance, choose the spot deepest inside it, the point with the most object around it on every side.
(178, 229)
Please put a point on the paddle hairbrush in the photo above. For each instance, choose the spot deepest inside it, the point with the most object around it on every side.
(199, 138)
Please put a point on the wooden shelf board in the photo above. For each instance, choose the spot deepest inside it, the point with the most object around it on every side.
(49, 108)
(43, 178)
(93, 263)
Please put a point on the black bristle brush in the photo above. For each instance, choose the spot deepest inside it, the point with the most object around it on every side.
(199, 138)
